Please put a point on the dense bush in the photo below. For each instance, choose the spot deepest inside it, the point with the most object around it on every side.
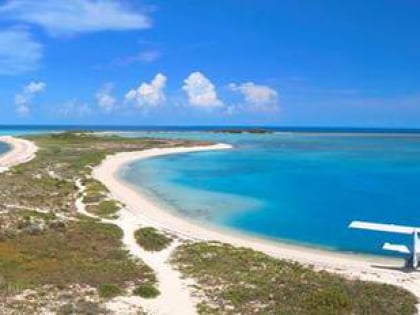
(146, 291)
(151, 239)
(108, 290)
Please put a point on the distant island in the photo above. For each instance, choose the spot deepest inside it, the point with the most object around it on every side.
(245, 130)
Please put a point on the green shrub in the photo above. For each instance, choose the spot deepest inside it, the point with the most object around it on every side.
(244, 281)
(151, 239)
(108, 290)
(107, 208)
(146, 291)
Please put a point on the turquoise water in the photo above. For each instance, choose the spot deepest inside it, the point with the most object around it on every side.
(3, 148)
(299, 188)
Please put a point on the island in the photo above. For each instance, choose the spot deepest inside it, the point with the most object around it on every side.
(244, 130)
(76, 239)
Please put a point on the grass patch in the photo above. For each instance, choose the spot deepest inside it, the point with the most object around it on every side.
(243, 281)
(109, 290)
(147, 291)
(27, 214)
(95, 191)
(151, 239)
(85, 252)
(107, 208)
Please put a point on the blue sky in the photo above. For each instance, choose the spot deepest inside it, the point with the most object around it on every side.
(190, 62)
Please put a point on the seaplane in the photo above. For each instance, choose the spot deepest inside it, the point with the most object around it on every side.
(412, 251)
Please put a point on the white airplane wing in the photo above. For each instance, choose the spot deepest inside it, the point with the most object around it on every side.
(396, 248)
(392, 228)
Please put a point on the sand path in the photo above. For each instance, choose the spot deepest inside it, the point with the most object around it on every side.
(175, 296)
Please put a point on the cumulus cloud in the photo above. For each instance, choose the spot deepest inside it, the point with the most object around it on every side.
(104, 98)
(60, 17)
(259, 97)
(201, 91)
(148, 94)
(19, 53)
(23, 99)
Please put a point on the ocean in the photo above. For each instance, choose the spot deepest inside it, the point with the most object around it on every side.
(299, 188)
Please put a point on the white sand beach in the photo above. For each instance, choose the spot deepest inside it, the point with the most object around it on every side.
(149, 212)
(22, 151)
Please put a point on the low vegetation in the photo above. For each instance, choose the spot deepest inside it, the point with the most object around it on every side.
(51, 258)
(109, 290)
(105, 208)
(146, 291)
(94, 191)
(243, 281)
(84, 252)
(151, 239)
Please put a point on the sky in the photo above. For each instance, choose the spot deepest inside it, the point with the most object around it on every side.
(210, 62)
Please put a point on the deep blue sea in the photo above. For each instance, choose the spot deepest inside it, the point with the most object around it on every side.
(296, 185)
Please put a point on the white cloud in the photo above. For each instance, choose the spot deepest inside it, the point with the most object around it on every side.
(201, 91)
(19, 53)
(60, 17)
(104, 98)
(259, 97)
(35, 87)
(23, 99)
(149, 94)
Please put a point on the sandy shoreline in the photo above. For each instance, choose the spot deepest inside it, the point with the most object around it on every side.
(151, 213)
(22, 151)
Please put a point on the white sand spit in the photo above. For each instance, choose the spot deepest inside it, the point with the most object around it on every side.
(22, 151)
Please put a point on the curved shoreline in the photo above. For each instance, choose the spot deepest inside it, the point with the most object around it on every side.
(22, 151)
(148, 212)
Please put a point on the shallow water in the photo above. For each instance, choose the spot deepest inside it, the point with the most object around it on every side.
(4, 147)
(300, 188)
